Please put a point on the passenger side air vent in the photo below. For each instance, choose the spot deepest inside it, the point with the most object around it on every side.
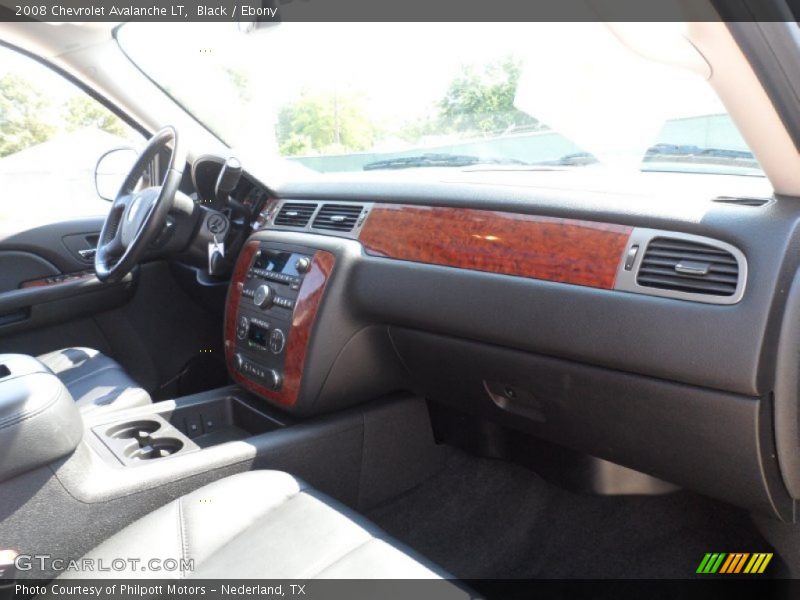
(337, 217)
(295, 214)
(687, 266)
(741, 200)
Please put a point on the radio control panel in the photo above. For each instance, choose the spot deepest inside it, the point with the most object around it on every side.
(269, 294)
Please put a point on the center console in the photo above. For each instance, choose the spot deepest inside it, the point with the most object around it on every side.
(299, 355)
(272, 303)
(193, 423)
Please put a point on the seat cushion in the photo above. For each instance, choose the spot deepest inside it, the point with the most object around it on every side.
(94, 379)
(262, 525)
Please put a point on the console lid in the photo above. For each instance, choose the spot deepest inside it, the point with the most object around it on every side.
(39, 421)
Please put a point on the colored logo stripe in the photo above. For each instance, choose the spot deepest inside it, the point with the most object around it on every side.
(736, 563)
(728, 562)
(733, 563)
(758, 563)
(710, 563)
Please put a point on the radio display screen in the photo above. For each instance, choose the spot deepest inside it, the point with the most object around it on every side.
(275, 262)
(258, 335)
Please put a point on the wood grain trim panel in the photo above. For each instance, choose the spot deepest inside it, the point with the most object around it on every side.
(564, 250)
(231, 310)
(58, 279)
(305, 313)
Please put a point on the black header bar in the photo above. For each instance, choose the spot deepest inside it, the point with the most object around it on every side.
(265, 11)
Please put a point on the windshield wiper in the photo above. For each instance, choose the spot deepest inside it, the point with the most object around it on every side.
(665, 153)
(695, 155)
(576, 159)
(438, 160)
(660, 150)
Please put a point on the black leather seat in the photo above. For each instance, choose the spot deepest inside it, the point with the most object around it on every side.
(263, 525)
(94, 379)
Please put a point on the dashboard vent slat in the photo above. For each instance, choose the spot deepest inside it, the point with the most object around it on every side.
(668, 263)
(650, 271)
(295, 214)
(670, 255)
(338, 217)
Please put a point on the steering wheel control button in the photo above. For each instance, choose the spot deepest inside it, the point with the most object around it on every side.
(264, 296)
(242, 327)
(302, 265)
(277, 341)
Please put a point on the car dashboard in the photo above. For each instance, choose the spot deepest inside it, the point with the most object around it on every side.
(617, 324)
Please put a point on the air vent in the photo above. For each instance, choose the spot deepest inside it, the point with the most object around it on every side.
(686, 266)
(337, 217)
(741, 200)
(295, 214)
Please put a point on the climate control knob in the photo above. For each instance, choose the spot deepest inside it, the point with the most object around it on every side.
(242, 327)
(273, 379)
(302, 265)
(238, 361)
(264, 296)
(277, 340)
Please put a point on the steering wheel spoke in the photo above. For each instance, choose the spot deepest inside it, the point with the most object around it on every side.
(115, 247)
(111, 237)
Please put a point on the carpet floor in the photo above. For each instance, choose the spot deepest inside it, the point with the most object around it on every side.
(480, 518)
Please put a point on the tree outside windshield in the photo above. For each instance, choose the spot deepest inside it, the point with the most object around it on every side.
(51, 135)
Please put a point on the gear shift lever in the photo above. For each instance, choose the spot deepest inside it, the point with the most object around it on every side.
(227, 181)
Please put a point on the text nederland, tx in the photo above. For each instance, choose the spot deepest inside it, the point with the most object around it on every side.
(176, 10)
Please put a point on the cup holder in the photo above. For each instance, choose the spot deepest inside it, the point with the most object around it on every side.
(137, 440)
(136, 430)
(146, 447)
(154, 448)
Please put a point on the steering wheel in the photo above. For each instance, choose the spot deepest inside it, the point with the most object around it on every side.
(138, 216)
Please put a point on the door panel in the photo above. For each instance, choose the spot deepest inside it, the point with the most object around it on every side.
(44, 278)
(57, 243)
(18, 267)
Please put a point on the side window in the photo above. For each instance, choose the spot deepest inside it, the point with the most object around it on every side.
(51, 135)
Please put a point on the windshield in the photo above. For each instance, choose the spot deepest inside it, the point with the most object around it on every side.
(369, 96)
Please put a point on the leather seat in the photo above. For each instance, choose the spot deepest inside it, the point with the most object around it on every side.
(262, 525)
(94, 379)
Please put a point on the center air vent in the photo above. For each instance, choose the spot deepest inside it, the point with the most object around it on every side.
(295, 214)
(686, 266)
(337, 217)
